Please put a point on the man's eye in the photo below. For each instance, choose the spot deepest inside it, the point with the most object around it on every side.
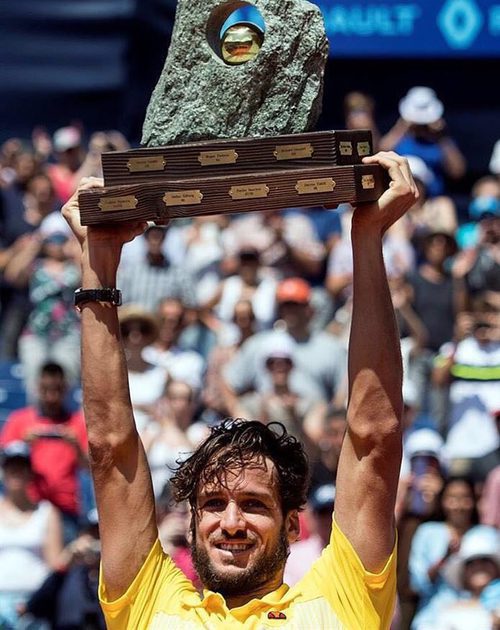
(253, 504)
(213, 504)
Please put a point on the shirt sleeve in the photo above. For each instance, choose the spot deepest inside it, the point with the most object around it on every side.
(158, 584)
(12, 430)
(359, 598)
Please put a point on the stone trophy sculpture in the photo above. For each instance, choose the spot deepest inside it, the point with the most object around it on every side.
(228, 125)
(278, 90)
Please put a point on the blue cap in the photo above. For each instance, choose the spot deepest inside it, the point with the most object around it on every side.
(484, 206)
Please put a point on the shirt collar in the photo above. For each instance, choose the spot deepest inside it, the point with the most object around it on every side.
(281, 596)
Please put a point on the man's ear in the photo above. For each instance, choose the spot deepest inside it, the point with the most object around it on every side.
(292, 526)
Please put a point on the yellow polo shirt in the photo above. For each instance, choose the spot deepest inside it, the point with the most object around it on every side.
(336, 594)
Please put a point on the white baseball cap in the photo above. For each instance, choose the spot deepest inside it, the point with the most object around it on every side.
(279, 345)
(67, 138)
(424, 442)
(479, 542)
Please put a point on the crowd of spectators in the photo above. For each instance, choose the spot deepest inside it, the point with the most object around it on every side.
(249, 316)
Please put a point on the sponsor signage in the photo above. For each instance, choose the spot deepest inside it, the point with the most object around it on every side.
(418, 28)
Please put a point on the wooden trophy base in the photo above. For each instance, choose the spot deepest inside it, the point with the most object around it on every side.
(234, 176)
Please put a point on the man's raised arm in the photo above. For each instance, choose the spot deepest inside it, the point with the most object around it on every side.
(370, 460)
(122, 480)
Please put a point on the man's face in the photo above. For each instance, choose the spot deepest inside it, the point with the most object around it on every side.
(17, 474)
(179, 397)
(478, 573)
(171, 317)
(458, 502)
(295, 314)
(243, 315)
(334, 433)
(241, 538)
(154, 241)
(490, 229)
(436, 250)
(279, 369)
(51, 393)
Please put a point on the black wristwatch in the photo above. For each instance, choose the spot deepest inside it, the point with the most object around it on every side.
(111, 296)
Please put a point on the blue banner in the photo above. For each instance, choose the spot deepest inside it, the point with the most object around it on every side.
(419, 28)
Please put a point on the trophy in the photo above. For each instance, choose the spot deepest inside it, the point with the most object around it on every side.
(228, 126)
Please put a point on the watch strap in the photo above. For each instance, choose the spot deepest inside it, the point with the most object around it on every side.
(106, 295)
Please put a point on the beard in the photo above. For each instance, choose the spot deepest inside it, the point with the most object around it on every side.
(246, 580)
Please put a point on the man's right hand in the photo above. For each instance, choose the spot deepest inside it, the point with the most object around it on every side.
(395, 201)
(110, 236)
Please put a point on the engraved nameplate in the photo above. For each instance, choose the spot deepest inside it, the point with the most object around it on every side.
(368, 182)
(214, 158)
(183, 198)
(253, 191)
(293, 151)
(363, 149)
(111, 204)
(345, 148)
(144, 164)
(313, 186)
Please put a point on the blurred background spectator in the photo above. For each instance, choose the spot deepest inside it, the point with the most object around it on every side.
(422, 131)
(58, 443)
(30, 534)
(359, 112)
(471, 595)
(250, 315)
(139, 329)
(174, 434)
(153, 278)
(304, 552)
(68, 599)
(435, 542)
(52, 330)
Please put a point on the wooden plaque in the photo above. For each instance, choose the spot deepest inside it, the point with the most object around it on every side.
(272, 190)
(232, 157)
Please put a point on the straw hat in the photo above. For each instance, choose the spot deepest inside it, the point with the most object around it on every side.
(135, 313)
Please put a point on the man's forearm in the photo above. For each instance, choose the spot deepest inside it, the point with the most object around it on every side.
(375, 367)
(104, 372)
(368, 471)
(122, 480)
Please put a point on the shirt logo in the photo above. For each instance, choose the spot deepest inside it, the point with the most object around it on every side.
(275, 614)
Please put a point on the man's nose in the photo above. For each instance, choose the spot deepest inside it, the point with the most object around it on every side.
(232, 520)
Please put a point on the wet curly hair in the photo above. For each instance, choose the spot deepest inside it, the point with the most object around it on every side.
(232, 445)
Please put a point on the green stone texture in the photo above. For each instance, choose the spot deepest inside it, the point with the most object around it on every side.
(199, 97)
